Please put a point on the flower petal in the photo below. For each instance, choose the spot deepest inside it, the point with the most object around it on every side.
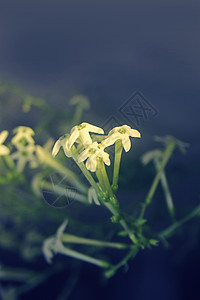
(111, 139)
(73, 137)
(133, 133)
(106, 159)
(93, 128)
(56, 148)
(4, 150)
(3, 136)
(126, 143)
(83, 155)
(91, 164)
(85, 137)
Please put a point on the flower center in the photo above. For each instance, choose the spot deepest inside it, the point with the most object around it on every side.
(24, 153)
(81, 126)
(92, 151)
(122, 131)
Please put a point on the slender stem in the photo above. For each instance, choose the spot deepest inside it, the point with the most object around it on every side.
(122, 222)
(118, 154)
(9, 161)
(84, 257)
(69, 238)
(170, 230)
(165, 186)
(168, 152)
(131, 254)
(69, 193)
(104, 177)
(78, 114)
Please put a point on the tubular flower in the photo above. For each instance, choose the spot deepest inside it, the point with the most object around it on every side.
(3, 149)
(122, 133)
(23, 136)
(24, 155)
(62, 142)
(80, 133)
(92, 153)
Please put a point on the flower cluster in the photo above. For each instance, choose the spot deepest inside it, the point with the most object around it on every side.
(92, 151)
(25, 145)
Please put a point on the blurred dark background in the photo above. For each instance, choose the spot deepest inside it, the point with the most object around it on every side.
(108, 50)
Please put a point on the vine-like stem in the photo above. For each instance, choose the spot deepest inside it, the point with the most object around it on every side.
(68, 193)
(165, 186)
(167, 154)
(69, 238)
(118, 154)
(131, 254)
(170, 230)
(84, 257)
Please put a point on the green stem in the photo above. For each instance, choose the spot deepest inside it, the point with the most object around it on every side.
(122, 222)
(77, 115)
(68, 193)
(84, 257)
(131, 254)
(167, 154)
(165, 186)
(118, 154)
(104, 177)
(69, 238)
(170, 230)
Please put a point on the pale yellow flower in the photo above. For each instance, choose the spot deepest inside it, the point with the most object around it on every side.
(92, 153)
(62, 142)
(3, 149)
(122, 133)
(23, 156)
(23, 136)
(80, 133)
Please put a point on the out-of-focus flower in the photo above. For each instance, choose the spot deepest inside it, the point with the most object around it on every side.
(3, 149)
(92, 153)
(170, 139)
(23, 136)
(80, 100)
(62, 142)
(80, 133)
(122, 133)
(150, 155)
(23, 156)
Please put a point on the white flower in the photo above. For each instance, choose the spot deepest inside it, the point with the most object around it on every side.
(23, 136)
(24, 155)
(80, 133)
(92, 153)
(62, 142)
(3, 149)
(121, 133)
(92, 196)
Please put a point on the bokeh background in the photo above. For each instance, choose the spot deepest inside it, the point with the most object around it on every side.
(107, 50)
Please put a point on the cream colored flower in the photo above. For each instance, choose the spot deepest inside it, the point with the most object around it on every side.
(92, 153)
(23, 136)
(122, 133)
(3, 149)
(62, 142)
(80, 133)
(23, 156)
